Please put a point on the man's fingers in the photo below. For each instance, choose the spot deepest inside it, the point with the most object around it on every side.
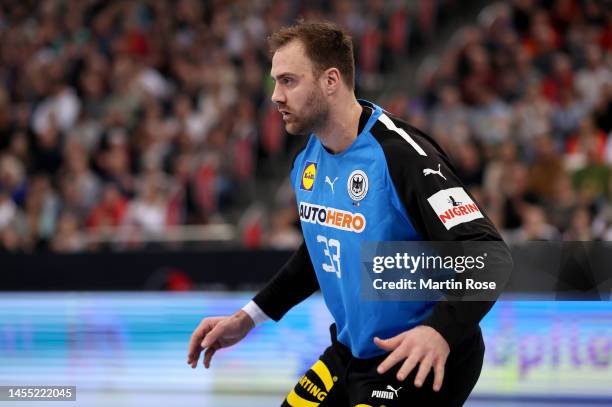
(212, 336)
(388, 344)
(438, 375)
(210, 351)
(194, 357)
(424, 368)
(390, 361)
(407, 367)
(196, 338)
(194, 348)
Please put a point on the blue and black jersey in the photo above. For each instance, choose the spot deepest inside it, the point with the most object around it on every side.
(392, 184)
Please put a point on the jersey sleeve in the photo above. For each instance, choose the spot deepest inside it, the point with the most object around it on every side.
(440, 208)
(294, 282)
(428, 188)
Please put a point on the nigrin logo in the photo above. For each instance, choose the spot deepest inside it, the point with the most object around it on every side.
(454, 206)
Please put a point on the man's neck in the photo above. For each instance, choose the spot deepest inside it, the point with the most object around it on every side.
(342, 127)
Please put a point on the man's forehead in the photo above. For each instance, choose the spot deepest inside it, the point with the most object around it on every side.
(290, 59)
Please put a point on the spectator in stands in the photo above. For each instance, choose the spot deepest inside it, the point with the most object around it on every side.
(449, 112)
(560, 77)
(87, 184)
(581, 228)
(8, 209)
(490, 119)
(593, 78)
(13, 178)
(470, 166)
(10, 240)
(114, 162)
(546, 167)
(283, 234)
(534, 226)
(567, 114)
(602, 111)
(110, 211)
(587, 140)
(517, 196)
(67, 237)
(147, 214)
(593, 180)
(502, 163)
(41, 208)
(562, 203)
(532, 115)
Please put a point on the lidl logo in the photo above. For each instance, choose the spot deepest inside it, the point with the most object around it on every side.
(308, 176)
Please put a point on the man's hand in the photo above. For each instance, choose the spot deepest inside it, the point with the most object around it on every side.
(421, 344)
(216, 333)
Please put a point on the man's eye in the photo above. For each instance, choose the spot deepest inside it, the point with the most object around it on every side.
(286, 81)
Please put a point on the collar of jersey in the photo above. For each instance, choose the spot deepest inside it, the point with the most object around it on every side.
(376, 111)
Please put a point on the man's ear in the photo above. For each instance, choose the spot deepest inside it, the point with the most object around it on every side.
(332, 80)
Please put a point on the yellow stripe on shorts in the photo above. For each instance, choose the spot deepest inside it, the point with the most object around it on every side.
(323, 372)
(296, 401)
(363, 405)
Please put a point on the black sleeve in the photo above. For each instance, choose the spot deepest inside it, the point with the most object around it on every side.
(295, 282)
(454, 320)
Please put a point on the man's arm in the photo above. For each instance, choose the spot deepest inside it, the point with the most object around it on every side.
(295, 282)
(427, 186)
(424, 195)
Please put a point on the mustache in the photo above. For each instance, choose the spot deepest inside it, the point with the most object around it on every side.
(283, 108)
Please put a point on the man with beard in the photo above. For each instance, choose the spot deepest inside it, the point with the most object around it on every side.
(361, 177)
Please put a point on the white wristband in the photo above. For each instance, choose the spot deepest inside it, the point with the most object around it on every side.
(256, 314)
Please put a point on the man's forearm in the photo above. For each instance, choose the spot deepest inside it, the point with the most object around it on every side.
(458, 316)
(295, 282)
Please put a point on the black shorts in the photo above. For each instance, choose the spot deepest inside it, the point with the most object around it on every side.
(338, 379)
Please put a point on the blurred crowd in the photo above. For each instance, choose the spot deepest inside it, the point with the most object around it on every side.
(127, 118)
(522, 102)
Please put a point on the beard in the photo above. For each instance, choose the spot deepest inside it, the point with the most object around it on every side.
(313, 117)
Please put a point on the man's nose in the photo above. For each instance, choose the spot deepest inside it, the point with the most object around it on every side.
(277, 95)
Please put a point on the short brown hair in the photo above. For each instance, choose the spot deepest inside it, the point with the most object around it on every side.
(326, 44)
